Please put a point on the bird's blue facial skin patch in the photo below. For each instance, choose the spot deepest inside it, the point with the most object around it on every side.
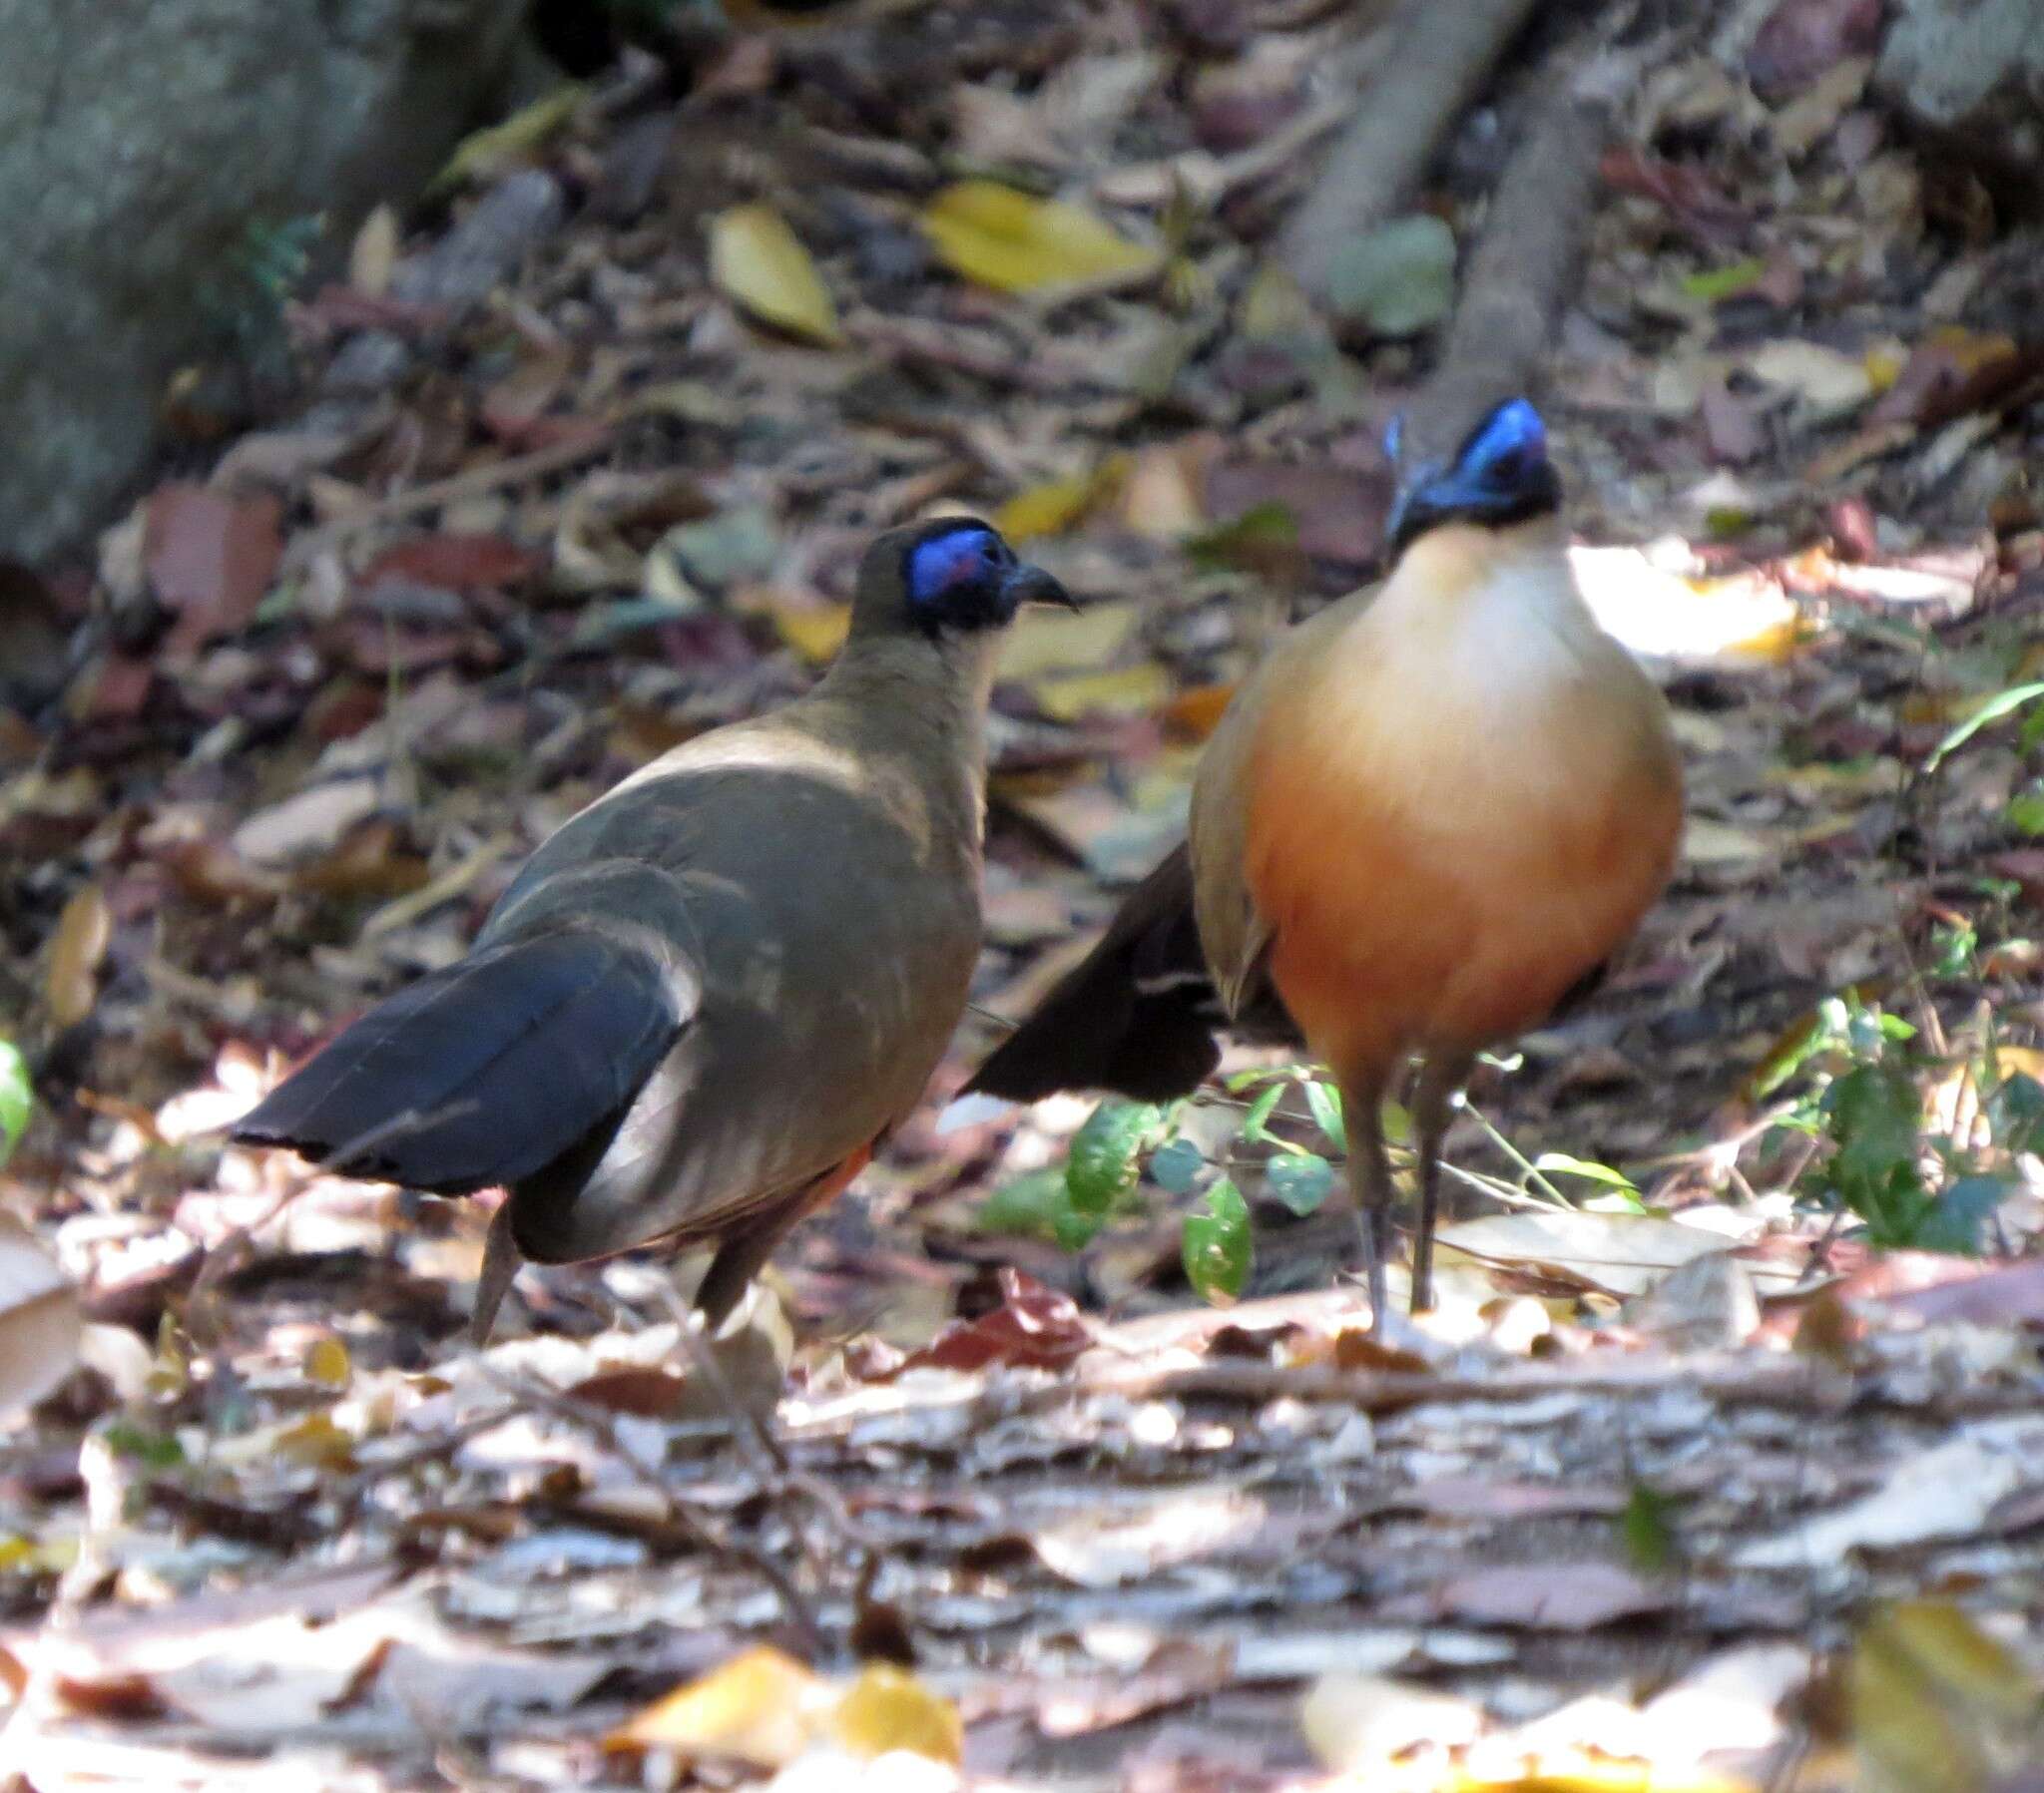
(1513, 436)
(949, 563)
(1501, 476)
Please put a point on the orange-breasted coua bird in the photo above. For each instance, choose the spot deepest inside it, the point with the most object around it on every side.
(1434, 808)
(709, 996)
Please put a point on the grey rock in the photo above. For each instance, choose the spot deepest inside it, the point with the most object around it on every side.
(140, 142)
(1972, 73)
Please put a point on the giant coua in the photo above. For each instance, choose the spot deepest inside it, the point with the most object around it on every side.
(709, 996)
(1434, 809)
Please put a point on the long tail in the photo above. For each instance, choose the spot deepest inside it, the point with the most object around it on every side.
(488, 1070)
(1136, 1016)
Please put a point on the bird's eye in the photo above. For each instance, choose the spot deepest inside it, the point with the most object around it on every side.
(1506, 466)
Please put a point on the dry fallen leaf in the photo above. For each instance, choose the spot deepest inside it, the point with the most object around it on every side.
(887, 1709)
(762, 1706)
(1007, 240)
(83, 931)
(756, 260)
(40, 1318)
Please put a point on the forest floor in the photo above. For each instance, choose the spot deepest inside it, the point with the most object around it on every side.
(1683, 1488)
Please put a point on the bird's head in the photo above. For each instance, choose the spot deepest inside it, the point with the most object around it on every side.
(1499, 475)
(950, 576)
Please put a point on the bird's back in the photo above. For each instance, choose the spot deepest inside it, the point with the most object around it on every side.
(828, 901)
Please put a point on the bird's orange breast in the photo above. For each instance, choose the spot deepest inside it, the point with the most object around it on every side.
(1438, 855)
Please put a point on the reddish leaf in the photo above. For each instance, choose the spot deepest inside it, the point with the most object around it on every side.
(211, 559)
(457, 563)
(1803, 39)
(1034, 1326)
(1854, 529)
(1685, 191)
(115, 692)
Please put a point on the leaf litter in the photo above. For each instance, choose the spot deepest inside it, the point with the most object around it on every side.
(1700, 1491)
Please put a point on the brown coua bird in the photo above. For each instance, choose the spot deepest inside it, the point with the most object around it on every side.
(1434, 809)
(710, 995)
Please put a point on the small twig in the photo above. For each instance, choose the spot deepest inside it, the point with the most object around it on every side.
(1525, 1164)
(592, 1420)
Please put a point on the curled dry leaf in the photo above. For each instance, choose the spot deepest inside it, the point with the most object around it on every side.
(40, 1318)
(756, 261)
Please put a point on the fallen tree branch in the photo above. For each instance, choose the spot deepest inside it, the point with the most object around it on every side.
(1518, 277)
(1441, 54)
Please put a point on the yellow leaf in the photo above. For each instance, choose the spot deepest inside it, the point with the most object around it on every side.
(1053, 507)
(373, 255)
(814, 631)
(316, 1442)
(327, 1363)
(484, 152)
(1937, 1706)
(1007, 240)
(762, 1706)
(1125, 692)
(83, 933)
(1043, 641)
(888, 1709)
(758, 261)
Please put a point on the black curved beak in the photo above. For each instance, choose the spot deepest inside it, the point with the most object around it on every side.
(1032, 585)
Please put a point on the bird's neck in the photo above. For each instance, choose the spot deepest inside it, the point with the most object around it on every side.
(922, 705)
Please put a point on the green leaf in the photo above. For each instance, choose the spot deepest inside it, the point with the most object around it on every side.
(1242, 540)
(1647, 1529)
(1561, 1165)
(17, 1098)
(1716, 283)
(1030, 1207)
(1176, 1167)
(1253, 1124)
(2026, 812)
(2001, 704)
(1301, 1180)
(1217, 1247)
(1958, 1217)
(1324, 1102)
(1399, 278)
(1104, 1163)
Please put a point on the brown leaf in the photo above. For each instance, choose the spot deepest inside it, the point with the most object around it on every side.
(211, 559)
(1035, 1326)
(83, 931)
(457, 563)
(1684, 189)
